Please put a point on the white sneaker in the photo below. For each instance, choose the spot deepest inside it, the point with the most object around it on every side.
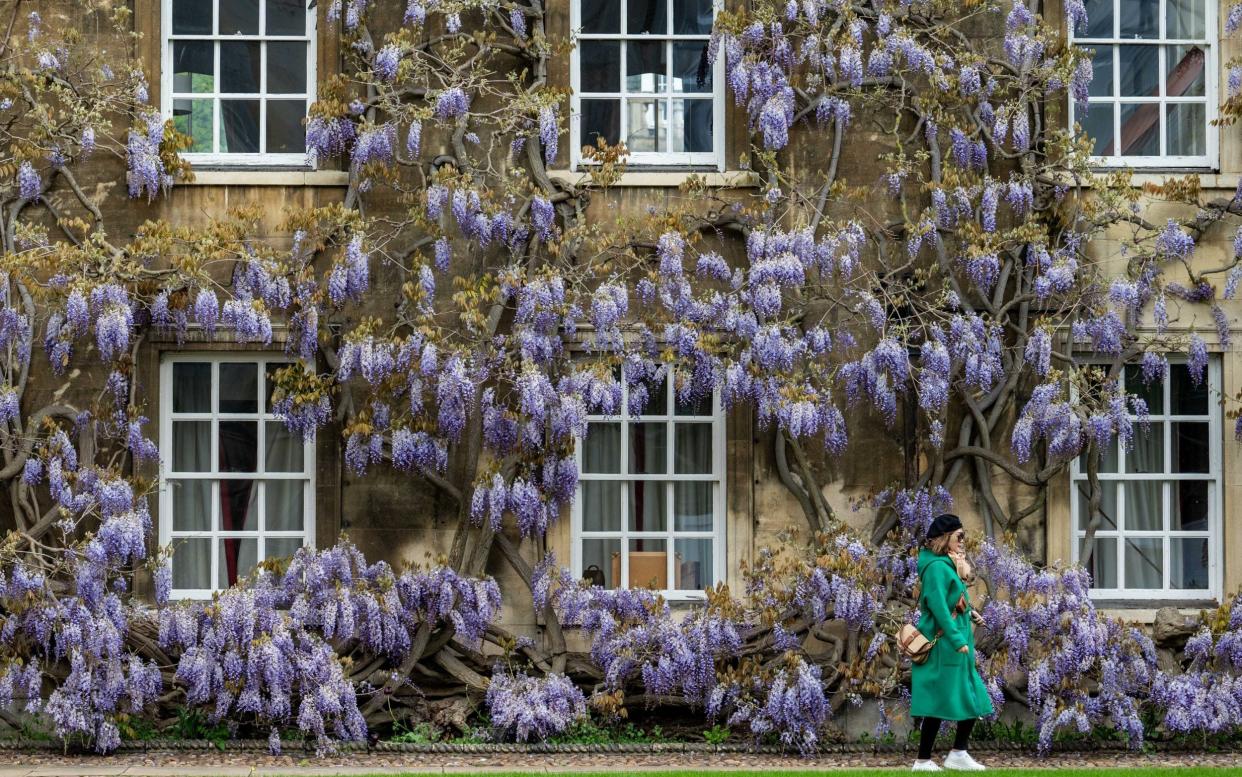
(961, 761)
(926, 766)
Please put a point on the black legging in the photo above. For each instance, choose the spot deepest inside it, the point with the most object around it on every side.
(931, 727)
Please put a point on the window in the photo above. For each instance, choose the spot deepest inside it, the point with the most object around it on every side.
(236, 487)
(1160, 532)
(650, 506)
(238, 77)
(640, 75)
(1152, 95)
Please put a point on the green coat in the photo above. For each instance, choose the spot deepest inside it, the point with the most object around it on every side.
(947, 685)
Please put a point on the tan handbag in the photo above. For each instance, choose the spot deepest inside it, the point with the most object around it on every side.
(913, 644)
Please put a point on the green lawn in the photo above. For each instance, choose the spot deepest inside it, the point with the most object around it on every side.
(1199, 771)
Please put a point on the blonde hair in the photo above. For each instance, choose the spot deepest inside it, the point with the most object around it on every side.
(940, 545)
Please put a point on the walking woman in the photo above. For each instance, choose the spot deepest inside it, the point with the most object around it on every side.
(947, 686)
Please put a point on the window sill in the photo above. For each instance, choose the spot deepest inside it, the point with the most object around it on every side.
(1142, 611)
(285, 177)
(731, 179)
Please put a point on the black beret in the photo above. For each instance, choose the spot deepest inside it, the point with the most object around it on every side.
(946, 523)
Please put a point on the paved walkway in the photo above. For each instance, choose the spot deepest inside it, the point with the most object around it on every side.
(232, 764)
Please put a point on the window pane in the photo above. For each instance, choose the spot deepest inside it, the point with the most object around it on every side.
(285, 449)
(646, 125)
(601, 562)
(693, 402)
(239, 126)
(1185, 19)
(601, 16)
(194, 118)
(239, 17)
(1190, 447)
(1144, 505)
(239, 66)
(1140, 130)
(1141, 19)
(1184, 68)
(693, 452)
(693, 508)
(191, 446)
(194, 66)
(191, 564)
(648, 448)
(286, 17)
(692, 125)
(191, 504)
(645, 67)
(1101, 72)
(691, 70)
(648, 564)
(692, 564)
(269, 386)
(1140, 68)
(191, 387)
(656, 400)
(692, 17)
(601, 119)
(1099, 19)
(238, 443)
(237, 559)
(239, 505)
(285, 132)
(285, 505)
(286, 68)
(1188, 398)
(1144, 563)
(281, 547)
(239, 387)
(1097, 124)
(1151, 393)
(601, 450)
(646, 16)
(1108, 506)
(1108, 459)
(1187, 129)
(1190, 505)
(1190, 564)
(648, 505)
(191, 17)
(1147, 455)
(600, 66)
(601, 505)
(1102, 566)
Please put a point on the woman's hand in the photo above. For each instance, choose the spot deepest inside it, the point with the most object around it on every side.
(964, 649)
(976, 618)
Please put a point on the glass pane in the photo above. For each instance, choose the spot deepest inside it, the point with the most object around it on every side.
(1190, 564)
(1184, 67)
(1151, 393)
(1102, 566)
(648, 564)
(692, 17)
(237, 559)
(194, 118)
(191, 564)
(239, 387)
(284, 448)
(286, 17)
(239, 126)
(1185, 19)
(648, 505)
(269, 384)
(239, 505)
(648, 448)
(601, 119)
(692, 125)
(1140, 67)
(191, 446)
(1101, 72)
(191, 17)
(281, 547)
(285, 133)
(1108, 506)
(601, 16)
(239, 17)
(696, 404)
(601, 562)
(657, 398)
(601, 450)
(646, 16)
(601, 505)
(646, 69)
(285, 505)
(1108, 459)
(191, 387)
(1140, 130)
(286, 68)
(239, 442)
(693, 508)
(1099, 19)
(1097, 124)
(692, 454)
(600, 66)
(1141, 19)
(1144, 505)
(191, 504)
(194, 66)
(1144, 563)
(692, 565)
(691, 70)
(1191, 447)
(647, 125)
(1187, 129)
(239, 66)
(1190, 505)
(1188, 398)
(1147, 455)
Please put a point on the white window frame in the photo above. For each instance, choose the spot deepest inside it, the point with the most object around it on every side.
(1208, 160)
(1214, 477)
(166, 533)
(669, 533)
(303, 159)
(708, 160)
